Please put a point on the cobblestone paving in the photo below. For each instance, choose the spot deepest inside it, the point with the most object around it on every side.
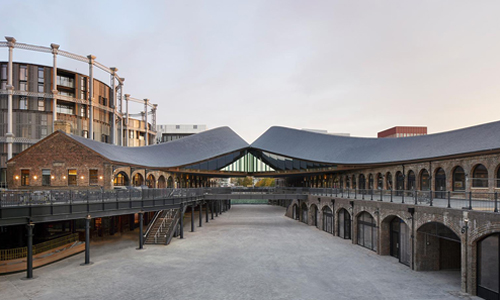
(251, 252)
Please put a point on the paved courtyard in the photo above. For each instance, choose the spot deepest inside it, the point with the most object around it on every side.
(250, 252)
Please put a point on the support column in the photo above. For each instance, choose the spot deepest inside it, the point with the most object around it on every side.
(10, 90)
(146, 138)
(212, 209)
(121, 110)
(91, 96)
(217, 208)
(201, 215)
(112, 103)
(87, 240)
(127, 96)
(141, 230)
(55, 50)
(29, 257)
(182, 222)
(206, 212)
(192, 218)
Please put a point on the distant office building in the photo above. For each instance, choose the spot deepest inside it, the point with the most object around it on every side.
(167, 133)
(402, 131)
(326, 132)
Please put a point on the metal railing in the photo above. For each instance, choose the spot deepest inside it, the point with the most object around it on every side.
(15, 253)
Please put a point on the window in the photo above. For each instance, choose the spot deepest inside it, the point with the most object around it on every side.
(3, 74)
(23, 86)
(93, 179)
(85, 134)
(177, 126)
(367, 231)
(25, 177)
(41, 104)
(69, 94)
(83, 111)
(23, 103)
(72, 177)
(480, 177)
(195, 126)
(46, 177)
(65, 81)
(424, 181)
(63, 108)
(131, 134)
(40, 74)
(40, 88)
(23, 73)
(459, 179)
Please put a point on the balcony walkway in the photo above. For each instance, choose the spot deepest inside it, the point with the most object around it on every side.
(250, 252)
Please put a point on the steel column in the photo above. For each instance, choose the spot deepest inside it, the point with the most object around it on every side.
(201, 215)
(216, 208)
(10, 90)
(55, 50)
(212, 209)
(127, 96)
(146, 138)
(29, 258)
(87, 240)
(141, 230)
(192, 218)
(206, 212)
(112, 103)
(181, 233)
(91, 96)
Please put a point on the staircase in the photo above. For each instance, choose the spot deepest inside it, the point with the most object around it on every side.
(162, 229)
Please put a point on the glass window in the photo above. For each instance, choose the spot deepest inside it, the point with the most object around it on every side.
(65, 81)
(85, 133)
(23, 103)
(488, 264)
(459, 179)
(25, 177)
(69, 94)
(40, 88)
(40, 74)
(195, 126)
(63, 108)
(480, 177)
(23, 73)
(93, 179)
(411, 181)
(177, 126)
(46, 177)
(424, 181)
(41, 104)
(4, 72)
(72, 176)
(23, 86)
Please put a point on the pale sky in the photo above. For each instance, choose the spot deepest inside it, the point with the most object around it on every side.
(343, 66)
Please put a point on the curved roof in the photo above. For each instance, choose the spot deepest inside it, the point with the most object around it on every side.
(186, 151)
(324, 148)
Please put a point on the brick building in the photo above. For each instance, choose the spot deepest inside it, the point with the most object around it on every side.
(402, 131)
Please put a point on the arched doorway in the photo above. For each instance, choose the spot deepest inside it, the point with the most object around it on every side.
(362, 183)
(314, 215)
(458, 179)
(304, 211)
(370, 182)
(170, 182)
(388, 181)
(344, 224)
(488, 267)
(151, 182)
(480, 177)
(137, 180)
(327, 219)
(396, 237)
(121, 179)
(295, 212)
(161, 182)
(438, 248)
(380, 181)
(367, 231)
(440, 183)
(354, 182)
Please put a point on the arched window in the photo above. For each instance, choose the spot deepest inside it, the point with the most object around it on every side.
(380, 181)
(347, 182)
(170, 182)
(327, 219)
(362, 182)
(344, 226)
(388, 180)
(480, 177)
(353, 181)
(121, 179)
(400, 183)
(151, 181)
(424, 180)
(138, 179)
(341, 182)
(370, 182)
(411, 181)
(458, 179)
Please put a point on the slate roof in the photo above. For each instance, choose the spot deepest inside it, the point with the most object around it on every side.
(324, 148)
(186, 151)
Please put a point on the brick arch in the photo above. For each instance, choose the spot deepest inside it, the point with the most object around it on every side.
(384, 217)
(341, 206)
(484, 231)
(372, 213)
(453, 227)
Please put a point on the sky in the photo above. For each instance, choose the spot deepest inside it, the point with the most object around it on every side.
(355, 67)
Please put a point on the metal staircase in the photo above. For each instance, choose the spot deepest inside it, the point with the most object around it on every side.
(162, 227)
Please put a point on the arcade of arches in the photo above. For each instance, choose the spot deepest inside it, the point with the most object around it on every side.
(465, 243)
(157, 179)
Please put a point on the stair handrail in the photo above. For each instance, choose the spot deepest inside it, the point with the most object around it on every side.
(173, 224)
(151, 224)
(166, 216)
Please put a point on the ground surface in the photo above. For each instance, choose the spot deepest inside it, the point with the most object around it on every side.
(251, 252)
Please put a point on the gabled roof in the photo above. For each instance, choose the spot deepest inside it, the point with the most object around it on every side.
(324, 148)
(186, 151)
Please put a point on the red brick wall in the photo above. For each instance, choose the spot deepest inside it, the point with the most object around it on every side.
(58, 153)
